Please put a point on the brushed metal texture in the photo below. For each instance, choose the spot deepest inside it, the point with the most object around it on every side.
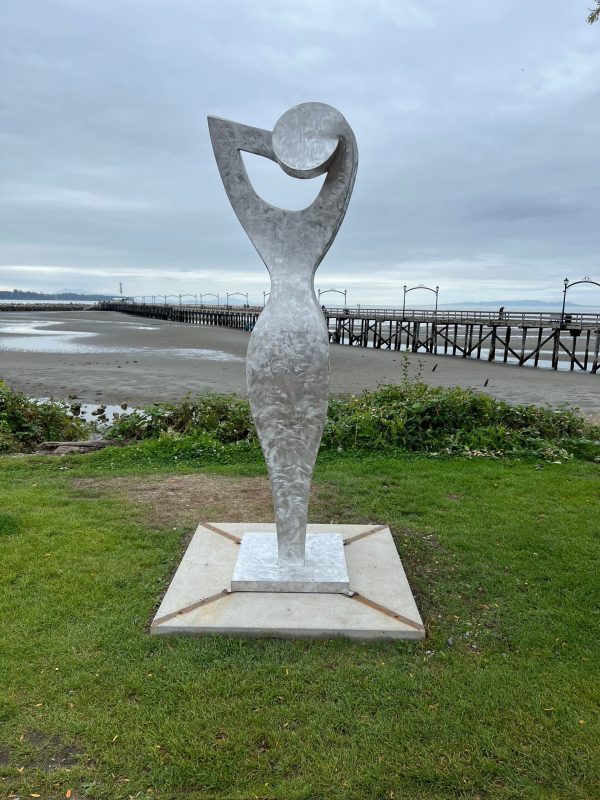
(258, 568)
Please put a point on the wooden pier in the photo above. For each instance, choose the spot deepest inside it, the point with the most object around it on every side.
(531, 339)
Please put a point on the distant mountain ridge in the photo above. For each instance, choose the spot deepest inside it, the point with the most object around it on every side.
(19, 294)
(550, 304)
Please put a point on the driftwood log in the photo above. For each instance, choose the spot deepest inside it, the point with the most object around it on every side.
(65, 448)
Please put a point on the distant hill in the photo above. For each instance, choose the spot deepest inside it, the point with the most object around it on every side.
(18, 294)
(518, 304)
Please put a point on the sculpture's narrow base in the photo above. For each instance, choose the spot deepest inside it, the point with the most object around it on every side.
(257, 568)
(380, 605)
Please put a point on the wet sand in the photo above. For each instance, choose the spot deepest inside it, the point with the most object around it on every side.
(113, 358)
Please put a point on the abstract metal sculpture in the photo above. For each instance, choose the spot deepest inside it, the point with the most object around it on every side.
(288, 354)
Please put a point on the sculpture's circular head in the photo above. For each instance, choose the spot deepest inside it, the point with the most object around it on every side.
(306, 138)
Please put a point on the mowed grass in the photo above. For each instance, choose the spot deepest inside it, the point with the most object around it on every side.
(500, 700)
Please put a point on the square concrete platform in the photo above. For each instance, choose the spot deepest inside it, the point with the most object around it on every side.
(380, 605)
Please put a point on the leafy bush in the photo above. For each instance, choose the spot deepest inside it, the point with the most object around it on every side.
(224, 417)
(410, 417)
(414, 416)
(24, 423)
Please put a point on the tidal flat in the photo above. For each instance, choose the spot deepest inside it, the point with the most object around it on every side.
(107, 357)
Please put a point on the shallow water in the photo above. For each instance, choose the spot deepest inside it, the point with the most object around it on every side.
(101, 413)
(37, 337)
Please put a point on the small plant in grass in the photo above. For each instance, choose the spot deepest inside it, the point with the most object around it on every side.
(24, 423)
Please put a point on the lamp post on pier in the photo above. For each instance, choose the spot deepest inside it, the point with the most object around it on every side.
(236, 294)
(420, 286)
(265, 295)
(208, 294)
(343, 292)
(567, 285)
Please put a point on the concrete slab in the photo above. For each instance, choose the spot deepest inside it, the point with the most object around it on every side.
(257, 568)
(380, 605)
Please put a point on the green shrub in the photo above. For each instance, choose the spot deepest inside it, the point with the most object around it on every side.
(414, 416)
(410, 417)
(226, 418)
(24, 423)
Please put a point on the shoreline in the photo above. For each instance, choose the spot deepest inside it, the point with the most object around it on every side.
(107, 357)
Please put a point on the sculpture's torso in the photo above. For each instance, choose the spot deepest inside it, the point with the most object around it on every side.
(287, 369)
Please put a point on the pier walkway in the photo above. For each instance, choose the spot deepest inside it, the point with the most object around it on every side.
(550, 340)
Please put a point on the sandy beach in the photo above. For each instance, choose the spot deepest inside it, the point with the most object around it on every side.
(113, 358)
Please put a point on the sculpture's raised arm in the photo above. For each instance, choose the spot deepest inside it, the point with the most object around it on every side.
(228, 139)
(308, 140)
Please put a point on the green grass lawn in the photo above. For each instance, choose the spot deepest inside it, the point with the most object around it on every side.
(500, 701)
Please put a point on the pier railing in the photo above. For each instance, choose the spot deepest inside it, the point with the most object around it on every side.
(530, 318)
(519, 318)
(533, 339)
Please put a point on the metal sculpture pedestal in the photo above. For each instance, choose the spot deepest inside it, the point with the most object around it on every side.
(258, 568)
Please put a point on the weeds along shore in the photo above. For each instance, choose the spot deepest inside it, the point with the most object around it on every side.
(410, 417)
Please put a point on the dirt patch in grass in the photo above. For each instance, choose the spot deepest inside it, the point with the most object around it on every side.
(189, 499)
(49, 752)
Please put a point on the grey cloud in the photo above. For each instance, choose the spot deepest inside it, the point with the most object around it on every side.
(477, 130)
(523, 209)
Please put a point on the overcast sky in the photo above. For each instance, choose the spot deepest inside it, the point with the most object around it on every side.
(478, 128)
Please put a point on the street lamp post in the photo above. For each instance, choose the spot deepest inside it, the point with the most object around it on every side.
(343, 292)
(208, 294)
(265, 295)
(562, 313)
(238, 294)
(420, 286)
(567, 286)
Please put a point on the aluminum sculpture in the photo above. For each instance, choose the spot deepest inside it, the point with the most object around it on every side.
(288, 354)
